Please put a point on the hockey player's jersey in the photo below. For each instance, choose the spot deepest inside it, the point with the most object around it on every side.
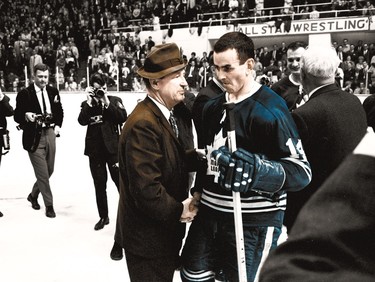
(264, 126)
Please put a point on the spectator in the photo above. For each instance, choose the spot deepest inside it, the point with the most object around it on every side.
(327, 108)
(191, 75)
(352, 53)
(314, 14)
(6, 110)
(258, 67)
(35, 59)
(290, 87)
(82, 85)
(332, 239)
(205, 74)
(361, 89)
(71, 84)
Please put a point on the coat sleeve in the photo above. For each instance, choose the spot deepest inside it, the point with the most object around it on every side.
(332, 239)
(148, 168)
(5, 108)
(116, 111)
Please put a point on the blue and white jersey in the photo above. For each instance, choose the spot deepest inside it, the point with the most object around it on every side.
(264, 126)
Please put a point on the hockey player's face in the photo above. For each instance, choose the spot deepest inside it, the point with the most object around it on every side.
(230, 71)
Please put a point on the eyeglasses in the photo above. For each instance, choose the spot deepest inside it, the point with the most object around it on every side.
(291, 60)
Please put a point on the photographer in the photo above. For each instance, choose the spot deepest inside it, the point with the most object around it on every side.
(103, 114)
(6, 110)
(40, 115)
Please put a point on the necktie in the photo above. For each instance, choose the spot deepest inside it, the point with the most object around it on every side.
(44, 103)
(172, 121)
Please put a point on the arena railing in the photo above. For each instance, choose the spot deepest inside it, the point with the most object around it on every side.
(236, 21)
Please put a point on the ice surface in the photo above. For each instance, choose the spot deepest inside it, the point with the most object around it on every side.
(66, 248)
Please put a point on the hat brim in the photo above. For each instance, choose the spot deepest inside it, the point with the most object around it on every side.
(155, 75)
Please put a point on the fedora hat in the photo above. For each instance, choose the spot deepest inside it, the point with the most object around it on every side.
(162, 60)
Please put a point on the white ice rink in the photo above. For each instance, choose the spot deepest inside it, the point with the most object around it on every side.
(66, 248)
(34, 248)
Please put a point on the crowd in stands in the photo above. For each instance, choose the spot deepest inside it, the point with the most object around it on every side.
(67, 34)
(357, 67)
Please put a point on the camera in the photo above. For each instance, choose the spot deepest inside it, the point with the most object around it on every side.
(99, 93)
(47, 119)
(96, 119)
(6, 140)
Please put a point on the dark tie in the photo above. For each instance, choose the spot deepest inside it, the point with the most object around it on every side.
(44, 103)
(173, 123)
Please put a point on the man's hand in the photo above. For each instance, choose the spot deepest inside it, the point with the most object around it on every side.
(187, 215)
(194, 204)
(105, 99)
(57, 130)
(30, 117)
(90, 95)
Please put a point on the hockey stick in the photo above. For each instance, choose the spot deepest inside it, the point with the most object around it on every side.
(240, 244)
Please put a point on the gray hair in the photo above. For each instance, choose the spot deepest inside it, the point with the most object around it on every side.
(320, 62)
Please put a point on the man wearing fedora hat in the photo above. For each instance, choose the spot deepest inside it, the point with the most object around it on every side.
(154, 172)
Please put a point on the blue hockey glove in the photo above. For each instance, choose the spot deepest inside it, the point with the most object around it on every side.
(226, 166)
(265, 176)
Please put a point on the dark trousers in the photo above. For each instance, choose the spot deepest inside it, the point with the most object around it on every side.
(159, 269)
(43, 161)
(98, 168)
(211, 246)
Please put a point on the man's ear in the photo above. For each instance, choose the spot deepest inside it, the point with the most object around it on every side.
(154, 83)
(250, 63)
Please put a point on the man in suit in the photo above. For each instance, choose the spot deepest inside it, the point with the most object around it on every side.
(154, 172)
(191, 74)
(333, 237)
(331, 123)
(103, 115)
(40, 114)
(6, 110)
(265, 57)
(289, 87)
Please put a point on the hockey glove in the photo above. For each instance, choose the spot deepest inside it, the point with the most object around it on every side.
(226, 164)
(265, 176)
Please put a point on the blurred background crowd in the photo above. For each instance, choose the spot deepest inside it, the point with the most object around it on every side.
(70, 36)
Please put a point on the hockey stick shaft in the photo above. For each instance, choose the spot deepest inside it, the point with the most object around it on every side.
(240, 244)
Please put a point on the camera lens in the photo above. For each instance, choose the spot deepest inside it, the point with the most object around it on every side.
(99, 93)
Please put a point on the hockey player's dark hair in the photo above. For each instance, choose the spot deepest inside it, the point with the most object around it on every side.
(236, 40)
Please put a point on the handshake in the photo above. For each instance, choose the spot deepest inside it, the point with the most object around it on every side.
(242, 171)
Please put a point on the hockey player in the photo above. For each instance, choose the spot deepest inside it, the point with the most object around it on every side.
(270, 161)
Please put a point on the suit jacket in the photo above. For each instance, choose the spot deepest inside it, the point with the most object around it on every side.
(106, 132)
(288, 91)
(211, 90)
(331, 123)
(6, 110)
(153, 182)
(333, 238)
(27, 101)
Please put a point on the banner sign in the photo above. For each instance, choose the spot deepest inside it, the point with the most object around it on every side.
(310, 26)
